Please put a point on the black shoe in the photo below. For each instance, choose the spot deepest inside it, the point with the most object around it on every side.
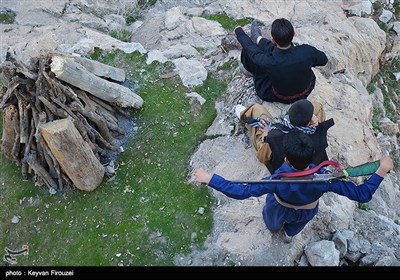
(255, 31)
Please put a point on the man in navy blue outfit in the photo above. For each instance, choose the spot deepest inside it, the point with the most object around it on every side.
(281, 71)
(292, 205)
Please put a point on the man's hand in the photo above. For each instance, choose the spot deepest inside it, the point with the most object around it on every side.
(386, 165)
(263, 126)
(314, 121)
(202, 176)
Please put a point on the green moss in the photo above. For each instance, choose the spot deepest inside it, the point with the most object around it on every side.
(145, 215)
(7, 17)
(121, 34)
(227, 22)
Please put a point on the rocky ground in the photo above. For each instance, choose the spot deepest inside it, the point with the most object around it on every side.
(175, 31)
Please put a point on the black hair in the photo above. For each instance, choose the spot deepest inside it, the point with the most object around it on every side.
(299, 149)
(282, 31)
(301, 112)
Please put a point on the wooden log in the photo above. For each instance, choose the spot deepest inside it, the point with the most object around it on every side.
(77, 122)
(40, 171)
(93, 66)
(67, 70)
(23, 119)
(24, 166)
(94, 135)
(8, 94)
(74, 155)
(89, 112)
(102, 70)
(56, 111)
(41, 120)
(10, 138)
(101, 103)
(50, 165)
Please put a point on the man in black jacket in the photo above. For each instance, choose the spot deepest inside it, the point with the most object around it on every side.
(267, 137)
(281, 71)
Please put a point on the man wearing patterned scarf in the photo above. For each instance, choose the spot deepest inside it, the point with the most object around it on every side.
(267, 137)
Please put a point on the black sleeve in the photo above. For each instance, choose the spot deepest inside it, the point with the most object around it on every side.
(328, 123)
(320, 58)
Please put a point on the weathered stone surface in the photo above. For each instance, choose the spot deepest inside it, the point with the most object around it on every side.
(322, 253)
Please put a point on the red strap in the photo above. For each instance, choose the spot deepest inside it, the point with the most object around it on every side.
(290, 97)
(310, 171)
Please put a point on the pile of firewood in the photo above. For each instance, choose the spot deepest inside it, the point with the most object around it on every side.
(60, 120)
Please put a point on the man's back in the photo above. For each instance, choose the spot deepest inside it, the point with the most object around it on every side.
(319, 139)
(288, 73)
(281, 73)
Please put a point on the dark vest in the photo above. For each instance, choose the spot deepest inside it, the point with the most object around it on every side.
(275, 141)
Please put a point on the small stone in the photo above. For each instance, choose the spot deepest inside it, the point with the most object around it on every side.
(15, 220)
(200, 211)
(118, 254)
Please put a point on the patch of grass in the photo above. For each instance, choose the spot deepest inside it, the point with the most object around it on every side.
(227, 22)
(396, 161)
(389, 86)
(134, 13)
(383, 26)
(363, 206)
(390, 111)
(201, 51)
(376, 115)
(123, 35)
(376, 8)
(371, 88)
(396, 8)
(96, 53)
(148, 213)
(228, 65)
(7, 17)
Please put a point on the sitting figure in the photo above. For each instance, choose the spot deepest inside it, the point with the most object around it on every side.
(281, 71)
(267, 138)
